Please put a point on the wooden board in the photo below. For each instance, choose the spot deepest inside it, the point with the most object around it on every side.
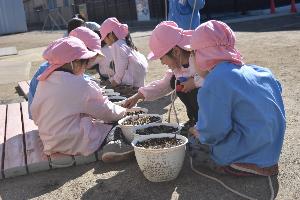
(2, 135)
(36, 159)
(24, 86)
(14, 160)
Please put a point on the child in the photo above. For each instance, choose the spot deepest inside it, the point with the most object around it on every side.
(171, 44)
(186, 13)
(91, 40)
(242, 117)
(74, 23)
(65, 104)
(130, 65)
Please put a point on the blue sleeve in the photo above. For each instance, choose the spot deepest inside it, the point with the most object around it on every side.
(199, 4)
(214, 115)
(33, 84)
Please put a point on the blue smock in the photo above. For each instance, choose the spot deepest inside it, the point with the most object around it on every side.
(241, 115)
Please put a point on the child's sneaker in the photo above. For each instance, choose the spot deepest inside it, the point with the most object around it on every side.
(116, 151)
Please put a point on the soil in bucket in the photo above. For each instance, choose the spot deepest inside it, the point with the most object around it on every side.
(160, 143)
(156, 130)
(141, 120)
(138, 112)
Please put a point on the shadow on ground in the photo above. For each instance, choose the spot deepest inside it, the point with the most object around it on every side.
(40, 183)
(128, 182)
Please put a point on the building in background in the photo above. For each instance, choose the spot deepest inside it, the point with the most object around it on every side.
(12, 17)
(127, 11)
(48, 14)
(53, 14)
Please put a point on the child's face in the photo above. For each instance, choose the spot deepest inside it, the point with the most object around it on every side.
(169, 61)
(79, 67)
(175, 60)
(109, 39)
(92, 61)
(197, 68)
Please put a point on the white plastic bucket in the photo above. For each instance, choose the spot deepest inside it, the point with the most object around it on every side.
(160, 165)
(128, 130)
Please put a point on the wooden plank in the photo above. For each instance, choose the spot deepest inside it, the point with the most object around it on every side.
(59, 160)
(24, 86)
(14, 160)
(2, 134)
(36, 159)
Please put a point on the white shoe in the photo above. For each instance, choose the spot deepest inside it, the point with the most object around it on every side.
(116, 151)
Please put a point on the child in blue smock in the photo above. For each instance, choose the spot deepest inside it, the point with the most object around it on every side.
(241, 113)
(185, 13)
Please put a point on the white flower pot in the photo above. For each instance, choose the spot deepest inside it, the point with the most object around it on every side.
(160, 165)
(128, 130)
(175, 125)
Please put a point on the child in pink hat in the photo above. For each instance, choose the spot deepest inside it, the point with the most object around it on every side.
(171, 45)
(130, 65)
(66, 105)
(93, 42)
(242, 117)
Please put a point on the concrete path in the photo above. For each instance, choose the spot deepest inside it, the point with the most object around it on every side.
(14, 71)
(6, 51)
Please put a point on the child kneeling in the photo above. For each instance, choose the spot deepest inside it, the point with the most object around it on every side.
(68, 109)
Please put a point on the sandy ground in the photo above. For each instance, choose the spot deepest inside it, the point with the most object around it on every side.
(272, 43)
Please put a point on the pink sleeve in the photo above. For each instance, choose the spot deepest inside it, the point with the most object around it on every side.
(121, 60)
(100, 107)
(157, 89)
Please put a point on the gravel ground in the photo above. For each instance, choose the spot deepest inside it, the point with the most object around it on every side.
(272, 43)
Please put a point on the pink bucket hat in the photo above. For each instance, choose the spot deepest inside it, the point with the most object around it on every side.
(89, 38)
(214, 42)
(113, 25)
(62, 51)
(165, 36)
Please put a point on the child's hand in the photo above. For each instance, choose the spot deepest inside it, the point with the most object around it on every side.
(132, 101)
(188, 85)
(114, 83)
(193, 132)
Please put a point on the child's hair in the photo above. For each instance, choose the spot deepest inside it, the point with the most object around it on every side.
(80, 17)
(128, 41)
(74, 23)
(68, 67)
(170, 53)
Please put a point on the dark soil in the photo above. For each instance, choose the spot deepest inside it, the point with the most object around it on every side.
(141, 120)
(160, 143)
(156, 130)
(115, 100)
(135, 113)
(124, 90)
